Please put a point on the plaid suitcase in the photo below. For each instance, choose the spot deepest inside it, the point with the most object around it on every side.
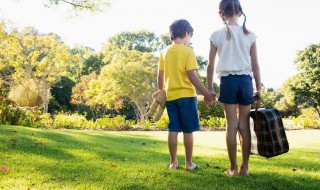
(270, 133)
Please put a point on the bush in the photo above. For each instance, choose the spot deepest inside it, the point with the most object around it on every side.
(308, 119)
(213, 122)
(73, 121)
(10, 115)
(208, 110)
(162, 124)
(111, 123)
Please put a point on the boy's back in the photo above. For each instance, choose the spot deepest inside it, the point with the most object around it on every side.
(175, 61)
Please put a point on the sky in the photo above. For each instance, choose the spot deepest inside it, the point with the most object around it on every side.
(282, 26)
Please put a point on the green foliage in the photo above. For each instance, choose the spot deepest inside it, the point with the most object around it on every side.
(208, 110)
(270, 97)
(62, 92)
(306, 84)
(81, 5)
(213, 122)
(287, 105)
(24, 94)
(308, 119)
(69, 121)
(162, 124)
(130, 77)
(10, 115)
(143, 41)
(38, 57)
(112, 123)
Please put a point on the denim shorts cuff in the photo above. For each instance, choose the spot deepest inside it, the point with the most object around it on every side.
(197, 129)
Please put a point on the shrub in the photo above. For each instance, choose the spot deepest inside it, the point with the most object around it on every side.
(73, 121)
(213, 122)
(206, 110)
(162, 124)
(111, 123)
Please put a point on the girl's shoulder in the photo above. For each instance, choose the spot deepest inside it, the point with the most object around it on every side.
(217, 33)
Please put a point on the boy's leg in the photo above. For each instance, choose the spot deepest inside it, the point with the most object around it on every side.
(244, 129)
(173, 146)
(231, 136)
(188, 145)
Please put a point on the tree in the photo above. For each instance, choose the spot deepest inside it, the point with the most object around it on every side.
(81, 5)
(143, 41)
(86, 62)
(287, 104)
(23, 94)
(79, 97)
(62, 91)
(41, 58)
(130, 77)
(306, 84)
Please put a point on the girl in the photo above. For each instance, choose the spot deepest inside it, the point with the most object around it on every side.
(237, 64)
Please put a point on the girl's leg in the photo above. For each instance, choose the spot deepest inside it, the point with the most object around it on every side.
(188, 145)
(173, 146)
(231, 136)
(244, 129)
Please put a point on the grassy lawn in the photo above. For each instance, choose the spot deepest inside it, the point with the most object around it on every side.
(71, 159)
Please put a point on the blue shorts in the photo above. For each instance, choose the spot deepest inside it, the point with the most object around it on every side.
(183, 115)
(236, 89)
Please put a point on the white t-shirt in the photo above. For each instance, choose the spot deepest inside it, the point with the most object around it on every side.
(234, 54)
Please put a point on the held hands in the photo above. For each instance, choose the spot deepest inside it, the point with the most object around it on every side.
(210, 97)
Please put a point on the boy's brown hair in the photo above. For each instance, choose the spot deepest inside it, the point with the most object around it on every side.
(179, 28)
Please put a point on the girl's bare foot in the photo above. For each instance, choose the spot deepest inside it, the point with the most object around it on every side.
(192, 167)
(231, 173)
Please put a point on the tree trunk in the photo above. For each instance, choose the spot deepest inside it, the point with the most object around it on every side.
(45, 99)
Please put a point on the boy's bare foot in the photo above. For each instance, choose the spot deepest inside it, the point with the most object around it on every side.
(173, 166)
(231, 173)
(243, 171)
(192, 167)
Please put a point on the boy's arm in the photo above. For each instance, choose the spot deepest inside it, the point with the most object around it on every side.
(255, 69)
(160, 80)
(199, 86)
(210, 68)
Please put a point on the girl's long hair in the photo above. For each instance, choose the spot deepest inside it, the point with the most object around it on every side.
(229, 8)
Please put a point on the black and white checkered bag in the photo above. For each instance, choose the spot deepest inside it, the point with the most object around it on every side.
(271, 139)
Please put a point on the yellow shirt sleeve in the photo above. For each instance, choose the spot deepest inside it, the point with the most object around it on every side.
(191, 62)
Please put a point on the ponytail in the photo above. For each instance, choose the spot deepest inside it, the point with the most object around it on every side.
(228, 29)
(244, 22)
(229, 8)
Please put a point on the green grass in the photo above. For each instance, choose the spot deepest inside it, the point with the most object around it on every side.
(71, 159)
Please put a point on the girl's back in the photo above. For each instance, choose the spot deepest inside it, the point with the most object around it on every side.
(234, 53)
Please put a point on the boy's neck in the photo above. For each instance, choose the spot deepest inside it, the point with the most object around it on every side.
(178, 41)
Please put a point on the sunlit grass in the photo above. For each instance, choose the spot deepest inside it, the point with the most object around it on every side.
(71, 159)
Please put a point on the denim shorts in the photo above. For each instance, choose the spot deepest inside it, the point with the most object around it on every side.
(183, 115)
(236, 89)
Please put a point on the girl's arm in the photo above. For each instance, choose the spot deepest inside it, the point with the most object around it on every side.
(160, 80)
(255, 68)
(210, 68)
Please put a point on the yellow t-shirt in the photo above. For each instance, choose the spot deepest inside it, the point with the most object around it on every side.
(175, 61)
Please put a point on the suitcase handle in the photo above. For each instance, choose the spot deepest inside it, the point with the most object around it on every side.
(257, 103)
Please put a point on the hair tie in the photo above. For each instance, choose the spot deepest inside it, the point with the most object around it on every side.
(225, 22)
(245, 19)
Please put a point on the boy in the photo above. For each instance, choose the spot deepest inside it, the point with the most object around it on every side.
(177, 74)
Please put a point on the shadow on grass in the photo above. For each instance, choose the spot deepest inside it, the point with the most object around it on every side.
(121, 160)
